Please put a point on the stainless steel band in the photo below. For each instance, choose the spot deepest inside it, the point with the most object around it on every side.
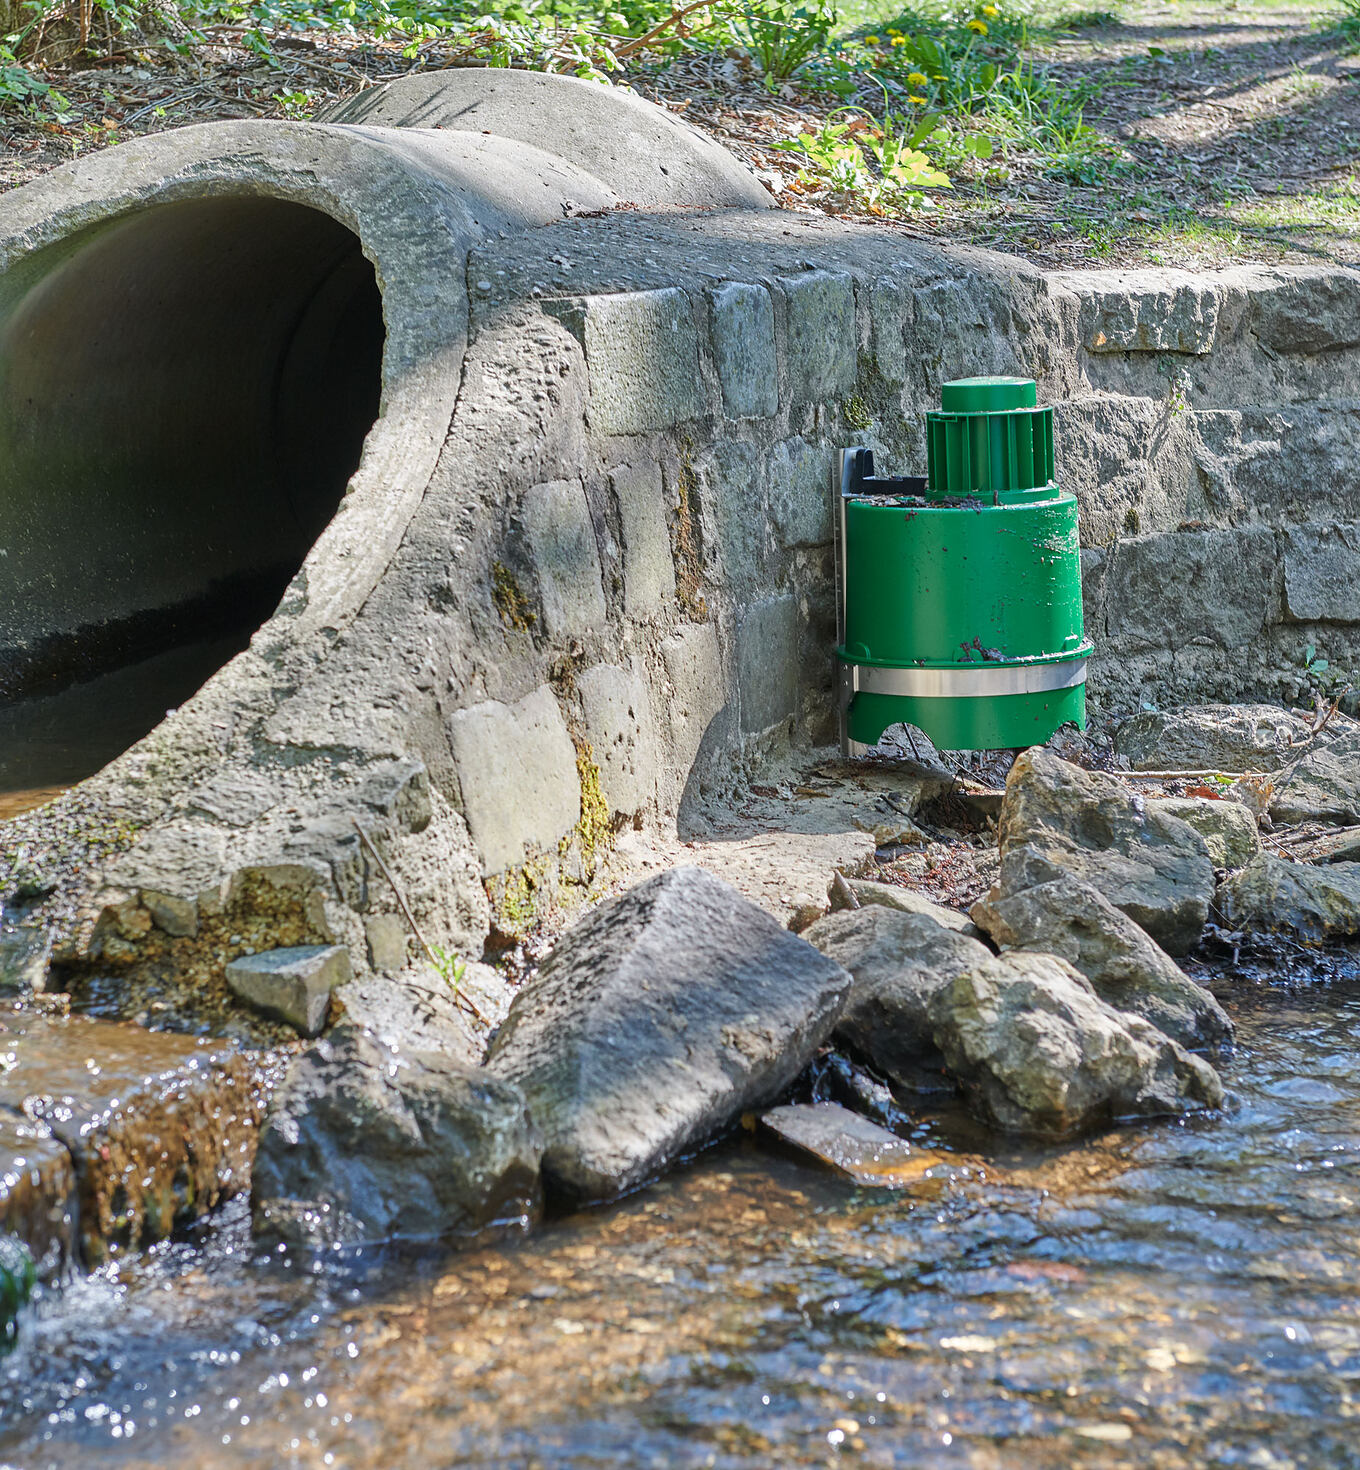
(975, 681)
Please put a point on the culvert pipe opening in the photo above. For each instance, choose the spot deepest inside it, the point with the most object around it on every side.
(184, 395)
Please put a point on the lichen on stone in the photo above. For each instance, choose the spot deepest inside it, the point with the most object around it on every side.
(514, 607)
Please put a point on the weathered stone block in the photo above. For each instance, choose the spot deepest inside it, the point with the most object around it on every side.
(891, 306)
(822, 348)
(767, 663)
(389, 938)
(696, 692)
(1304, 308)
(800, 493)
(1211, 587)
(1145, 311)
(1322, 574)
(642, 352)
(733, 493)
(1292, 463)
(517, 769)
(561, 539)
(648, 564)
(618, 716)
(293, 984)
(743, 349)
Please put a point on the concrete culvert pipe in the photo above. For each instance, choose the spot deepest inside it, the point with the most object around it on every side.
(205, 334)
(184, 395)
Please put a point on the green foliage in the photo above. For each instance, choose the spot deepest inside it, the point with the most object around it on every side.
(1326, 682)
(17, 1280)
(781, 39)
(448, 967)
(876, 167)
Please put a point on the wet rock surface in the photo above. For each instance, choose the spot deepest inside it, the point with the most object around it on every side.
(1275, 896)
(1218, 737)
(365, 1143)
(1038, 1052)
(1149, 864)
(658, 1019)
(850, 1144)
(1127, 968)
(897, 961)
(157, 1130)
(1323, 786)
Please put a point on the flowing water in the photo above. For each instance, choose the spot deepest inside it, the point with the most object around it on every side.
(1181, 1295)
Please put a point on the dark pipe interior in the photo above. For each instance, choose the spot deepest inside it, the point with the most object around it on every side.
(184, 394)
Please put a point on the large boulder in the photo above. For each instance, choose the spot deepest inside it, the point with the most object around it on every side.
(1038, 1052)
(897, 961)
(1324, 786)
(365, 1143)
(1215, 737)
(1274, 896)
(1149, 864)
(1227, 827)
(655, 1022)
(1128, 970)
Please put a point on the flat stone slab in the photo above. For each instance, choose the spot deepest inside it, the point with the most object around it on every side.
(113, 1137)
(851, 1144)
(293, 984)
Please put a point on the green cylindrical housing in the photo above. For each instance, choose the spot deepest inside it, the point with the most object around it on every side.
(962, 607)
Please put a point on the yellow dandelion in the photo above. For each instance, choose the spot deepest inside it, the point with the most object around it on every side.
(917, 79)
(990, 11)
(919, 101)
(871, 41)
(980, 26)
(899, 40)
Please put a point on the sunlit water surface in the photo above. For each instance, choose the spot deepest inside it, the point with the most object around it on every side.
(1180, 1295)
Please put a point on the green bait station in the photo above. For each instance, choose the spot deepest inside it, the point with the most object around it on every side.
(959, 595)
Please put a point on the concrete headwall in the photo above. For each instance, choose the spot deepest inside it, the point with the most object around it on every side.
(612, 595)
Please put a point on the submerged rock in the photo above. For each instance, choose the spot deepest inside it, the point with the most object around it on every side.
(851, 1145)
(364, 1144)
(655, 1022)
(1216, 737)
(1324, 786)
(113, 1137)
(1126, 967)
(1037, 1051)
(1275, 896)
(1227, 827)
(1148, 863)
(897, 961)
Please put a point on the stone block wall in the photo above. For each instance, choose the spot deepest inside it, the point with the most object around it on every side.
(614, 601)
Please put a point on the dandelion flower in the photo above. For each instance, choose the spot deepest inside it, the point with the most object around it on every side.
(918, 101)
(917, 79)
(899, 40)
(990, 11)
(979, 26)
(871, 41)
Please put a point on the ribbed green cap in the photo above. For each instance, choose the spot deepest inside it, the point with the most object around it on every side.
(988, 395)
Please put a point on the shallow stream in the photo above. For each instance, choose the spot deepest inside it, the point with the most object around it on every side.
(1178, 1295)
